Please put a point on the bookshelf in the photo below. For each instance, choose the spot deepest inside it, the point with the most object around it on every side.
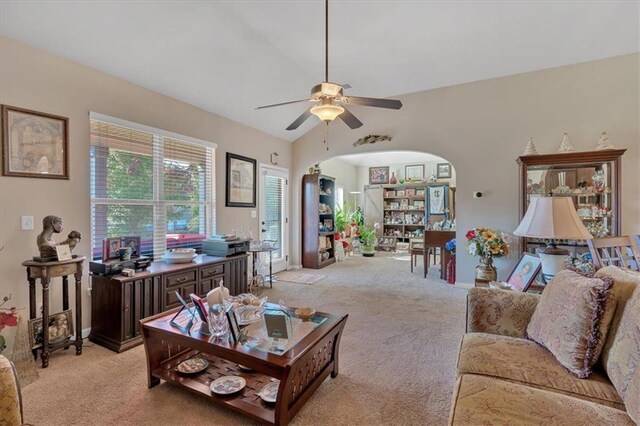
(404, 211)
(318, 209)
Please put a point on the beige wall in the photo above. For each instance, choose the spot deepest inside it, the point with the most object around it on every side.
(33, 79)
(482, 127)
(344, 173)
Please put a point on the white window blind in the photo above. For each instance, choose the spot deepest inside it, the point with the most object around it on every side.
(274, 188)
(150, 183)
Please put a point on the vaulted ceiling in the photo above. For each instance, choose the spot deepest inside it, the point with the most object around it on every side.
(228, 57)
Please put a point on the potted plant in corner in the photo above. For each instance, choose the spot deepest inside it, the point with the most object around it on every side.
(340, 222)
(367, 235)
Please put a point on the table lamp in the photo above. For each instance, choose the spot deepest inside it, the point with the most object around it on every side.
(552, 218)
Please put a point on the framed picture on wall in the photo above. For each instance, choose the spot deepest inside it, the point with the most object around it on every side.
(443, 171)
(437, 199)
(378, 175)
(241, 181)
(34, 144)
(412, 173)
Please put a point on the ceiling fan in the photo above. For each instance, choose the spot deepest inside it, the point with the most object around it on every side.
(329, 97)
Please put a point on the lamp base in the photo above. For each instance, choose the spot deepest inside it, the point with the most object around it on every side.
(552, 259)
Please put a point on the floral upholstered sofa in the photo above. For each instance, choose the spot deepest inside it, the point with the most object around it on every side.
(505, 378)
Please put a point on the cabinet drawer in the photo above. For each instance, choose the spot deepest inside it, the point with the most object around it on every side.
(170, 298)
(210, 271)
(180, 278)
(207, 285)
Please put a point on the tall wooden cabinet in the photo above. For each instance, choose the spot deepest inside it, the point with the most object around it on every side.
(593, 181)
(118, 303)
(318, 205)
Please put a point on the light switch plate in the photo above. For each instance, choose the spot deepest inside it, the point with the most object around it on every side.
(26, 223)
(254, 214)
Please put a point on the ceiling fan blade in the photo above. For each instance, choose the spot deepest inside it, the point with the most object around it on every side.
(346, 86)
(300, 120)
(350, 119)
(373, 102)
(283, 103)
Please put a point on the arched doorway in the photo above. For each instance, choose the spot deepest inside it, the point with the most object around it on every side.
(404, 192)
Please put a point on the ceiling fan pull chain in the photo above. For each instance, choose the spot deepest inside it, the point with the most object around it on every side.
(326, 134)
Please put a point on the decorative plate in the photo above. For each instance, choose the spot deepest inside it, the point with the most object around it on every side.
(192, 366)
(226, 385)
(269, 392)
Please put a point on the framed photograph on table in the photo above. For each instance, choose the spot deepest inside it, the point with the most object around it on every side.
(34, 144)
(414, 173)
(525, 272)
(60, 329)
(133, 243)
(241, 181)
(378, 175)
(443, 171)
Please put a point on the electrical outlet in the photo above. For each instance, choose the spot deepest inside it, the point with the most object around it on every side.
(26, 223)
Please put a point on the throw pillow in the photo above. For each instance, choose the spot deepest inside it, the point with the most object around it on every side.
(572, 318)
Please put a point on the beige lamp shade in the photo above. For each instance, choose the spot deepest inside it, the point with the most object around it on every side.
(552, 218)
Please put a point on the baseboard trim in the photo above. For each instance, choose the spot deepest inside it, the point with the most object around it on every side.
(463, 285)
(295, 266)
(86, 332)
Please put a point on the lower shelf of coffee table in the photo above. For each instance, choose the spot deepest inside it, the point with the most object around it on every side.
(246, 401)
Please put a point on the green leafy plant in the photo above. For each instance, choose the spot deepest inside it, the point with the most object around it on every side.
(357, 216)
(340, 220)
(367, 234)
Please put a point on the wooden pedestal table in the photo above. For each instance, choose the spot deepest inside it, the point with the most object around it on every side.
(301, 369)
(45, 271)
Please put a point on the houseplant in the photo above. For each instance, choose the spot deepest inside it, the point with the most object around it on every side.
(340, 222)
(486, 244)
(367, 235)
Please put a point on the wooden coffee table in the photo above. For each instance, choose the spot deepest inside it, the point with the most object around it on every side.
(301, 369)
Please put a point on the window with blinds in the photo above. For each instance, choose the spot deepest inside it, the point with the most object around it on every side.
(273, 211)
(151, 184)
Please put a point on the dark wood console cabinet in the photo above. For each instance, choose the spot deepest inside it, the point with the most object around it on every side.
(118, 303)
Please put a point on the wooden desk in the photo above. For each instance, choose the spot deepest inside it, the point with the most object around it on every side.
(45, 271)
(438, 239)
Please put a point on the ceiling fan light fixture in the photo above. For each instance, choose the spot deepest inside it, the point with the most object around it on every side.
(327, 111)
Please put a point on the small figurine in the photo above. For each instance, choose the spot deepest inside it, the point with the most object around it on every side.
(46, 244)
(566, 145)
(604, 142)
(531, 148)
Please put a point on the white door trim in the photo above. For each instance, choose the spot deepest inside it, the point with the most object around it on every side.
(264, 168)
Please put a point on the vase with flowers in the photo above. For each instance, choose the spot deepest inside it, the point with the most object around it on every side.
(450, 246)
(486, 244)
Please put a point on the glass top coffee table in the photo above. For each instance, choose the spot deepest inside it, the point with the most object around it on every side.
(301, 365)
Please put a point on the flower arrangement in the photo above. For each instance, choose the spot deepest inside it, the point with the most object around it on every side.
(485, 242)
(451, 246)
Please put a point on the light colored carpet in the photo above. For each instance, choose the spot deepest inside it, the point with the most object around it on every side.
(397, 360)
(300, 277)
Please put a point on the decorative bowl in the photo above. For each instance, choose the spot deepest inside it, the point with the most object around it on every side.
(305, 313)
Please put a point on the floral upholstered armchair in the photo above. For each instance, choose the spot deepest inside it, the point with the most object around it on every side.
(10, 397)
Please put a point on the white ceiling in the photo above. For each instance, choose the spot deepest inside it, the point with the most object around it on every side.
(228, 57)
(370, 159)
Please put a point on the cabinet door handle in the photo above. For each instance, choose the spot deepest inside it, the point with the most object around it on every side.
(181, 280)
(126, 308)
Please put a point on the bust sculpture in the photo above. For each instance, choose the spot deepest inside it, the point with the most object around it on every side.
(46, 244)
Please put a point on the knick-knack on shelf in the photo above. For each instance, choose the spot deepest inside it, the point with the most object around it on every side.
(393, 180)
(531, 148)
(604, 142)
(566, 145)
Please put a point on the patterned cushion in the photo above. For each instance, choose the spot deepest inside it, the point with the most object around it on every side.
(499, 311)
(9, 397)
(527, 362)
(621, 354)
(572, 319)
(633, 396)
(481, 400)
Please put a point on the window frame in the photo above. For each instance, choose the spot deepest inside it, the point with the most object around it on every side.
(158, 202)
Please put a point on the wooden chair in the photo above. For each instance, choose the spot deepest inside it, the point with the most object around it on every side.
(416, 248)
(617, 251)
